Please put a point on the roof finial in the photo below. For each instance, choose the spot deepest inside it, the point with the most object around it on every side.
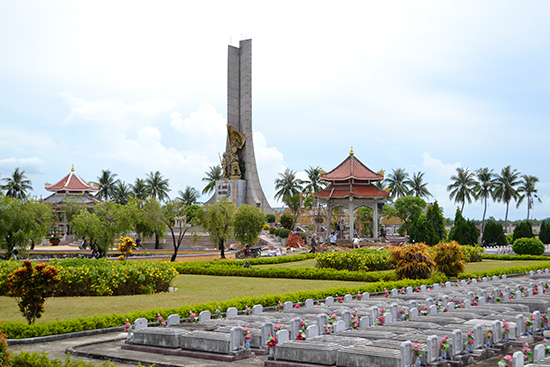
(351, 151)
(72, 169)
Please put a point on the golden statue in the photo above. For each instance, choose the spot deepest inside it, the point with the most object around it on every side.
(230, 161)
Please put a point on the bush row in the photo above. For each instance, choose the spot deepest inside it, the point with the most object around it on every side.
(266, 260)
(515, 257)
(26, 359)
(356, 260)
(90, 277)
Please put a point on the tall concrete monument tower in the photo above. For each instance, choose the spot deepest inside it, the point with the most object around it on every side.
(241, 182)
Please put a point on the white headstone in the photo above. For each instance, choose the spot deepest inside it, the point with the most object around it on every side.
(432, 346)
(540, 290)
(231, 313)
(388, 318)
(236, 338)
(474, 281)
(497, 331)
(484, 279)
(311, 331)
(478, 335)
(539, 353)
(531, 273)
(517, 359)
(295, 325)
(266, 329)
(413, 304)
(450, 306)
(483, 298)
(308, 303)
(339, 326)
(445, 300)
(503, 276)
(520, 326)
(173, 319)
(366, 295)
(435, 287)
(433, 310)
(374, 313)
(409, 290)
(364, 322)
(140, 323)
(456, 342)
(448, 285)
(537, 320)
(394, 310)
(406, 354)
(413, 313)
(288, 306)
(257, 309)
(322, 321)
(429, 302)
(507, 294)
(346, 317)
(204, 316)
(463, 283)
(495, 277)
(394, 293)
(467, 303)
(422, 289)
(282, 336)
(329, 301)
(348, 298)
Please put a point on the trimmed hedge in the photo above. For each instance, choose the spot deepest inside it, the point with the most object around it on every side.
(356, 260)
(90, 277)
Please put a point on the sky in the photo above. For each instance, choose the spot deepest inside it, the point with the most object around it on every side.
(141, 86)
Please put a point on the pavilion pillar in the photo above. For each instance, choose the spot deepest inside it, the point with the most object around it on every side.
(375, 220)
(351, 219)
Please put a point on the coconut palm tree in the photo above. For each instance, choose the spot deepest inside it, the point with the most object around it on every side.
(506, 188)
(122, 192)
(528, 191)
(483, 188)
(417, 187)
(17, 185)
(139, 189)
(397, 184)
(462, 187)
(188, 197)
(314, 183)
(157, 186)
(214, 175)
(287, 185)
(107, 184)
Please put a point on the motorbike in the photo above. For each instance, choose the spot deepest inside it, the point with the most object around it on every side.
(254, 252)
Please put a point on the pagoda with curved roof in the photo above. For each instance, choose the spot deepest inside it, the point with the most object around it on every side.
(353, 185)
(71, 188)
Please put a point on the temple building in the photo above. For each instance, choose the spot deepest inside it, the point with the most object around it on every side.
(71, 188)
(352, 185)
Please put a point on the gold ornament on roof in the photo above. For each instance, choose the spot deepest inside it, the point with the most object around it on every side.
(72, 168)
(351, 151)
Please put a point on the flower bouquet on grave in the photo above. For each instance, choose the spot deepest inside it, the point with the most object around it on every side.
(402, 290)
(506, 361)
(535, 289)
(499, 296)
(489, 336)
(545, 287)
(193, 316)
(444, 346)
(354, 323)
(359, 296)
(380, 320)
(247, 310)
(527, 353)
(546, 350)
(404, 314)
(329, 328)
(297, 305)
(545, 320)
(161, 321)
(506, 329)
(302, 332)
(470, 341)
(339, 299)
(386, 294)
(279, 307)
(423, 310)
(529, 324)
(271, 342)
(218, 313)
(128, 328)
(417, 353)
(247, 336)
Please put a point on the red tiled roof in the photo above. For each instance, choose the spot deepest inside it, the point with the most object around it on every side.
(357, 190)
(72, 182)
(351, 168)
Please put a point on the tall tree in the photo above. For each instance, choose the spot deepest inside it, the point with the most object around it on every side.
(527, 190)
(215, 174)
(248, 223)
(157, 186)
(180, 216)
(287, 185)
(483, 189)
(217, 220)
(314, 183)
(397, 183)
(107, 185)
(139, 189)
(506, 189)
(462, 187)
(417, 187)
(189, 196)
(121, 193)
(293, 203)
(17, 184)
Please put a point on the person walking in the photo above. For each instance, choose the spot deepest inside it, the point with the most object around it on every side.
(332, 239)
(313, 243)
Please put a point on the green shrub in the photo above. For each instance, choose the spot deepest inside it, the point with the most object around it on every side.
(5, 353)
(473, 254)
(523, 230)
(272, 230)
(544, 234)
(287, 221)
(449, 258)
(494, 233)
(464, 231)
(283, 232)
(510, 238)
(270, 218)
(528, 246)
(26, 359)
(413, 261)
(356, 260)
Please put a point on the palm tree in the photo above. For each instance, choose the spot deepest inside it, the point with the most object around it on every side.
(528, 190)
(287, 185)
(139, 189)
(122, 192)
(417, 187)
(397, 183)
(107, 184)
(484, 189)
(188, 197)
(505, 188)
(314, 183)
(157, 186)
(462, 189)
(214, 175)
(17, 185)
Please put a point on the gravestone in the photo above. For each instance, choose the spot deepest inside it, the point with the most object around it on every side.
(467, 303)
(236, 338)
(474, 281)
(478, 335)
(433, 310)
(450, 306)
(205, 316)
(409, 291)
(346, 317)
(435, 286)
(266, 329)
(484, 279)
(394, 311)
(463, 283)
(140, 324)
(507, 294)
(503, 276)
(470, 296)
(231, 313)
(413, 313)
(257, 309)
(282, 336)
(539, 353)
(536, 321)
(531, 273)
(322, 321)
(519, 294)
(364, 322)
(497, 331)
(540, 290)
(413, 304)
(444, 300)
(288, 306)
(429, 302)
(374, 313)
(365, 296)
(496, 293)
(406, 354)
(432, 347)
(394, 293)
(311, 331)
(495, 278)
(456, 342)
(422, 289)
(173, 319)
(308, 303)
(339, 326)
(295, 325)
(529, 292)
(388, 318)
(329, 301)
(448, 285)
(483, 298)
(520, 326)
(517, 359)
(348, 298)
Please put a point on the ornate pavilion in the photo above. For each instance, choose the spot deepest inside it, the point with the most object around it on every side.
(70, 188)
(352, 185)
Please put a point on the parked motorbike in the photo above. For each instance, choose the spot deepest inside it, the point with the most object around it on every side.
(254, 252)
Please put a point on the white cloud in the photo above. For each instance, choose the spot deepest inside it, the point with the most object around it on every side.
(29, 165)
(437, 168)
(270, 162)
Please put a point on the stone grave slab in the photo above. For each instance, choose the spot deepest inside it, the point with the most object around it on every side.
(368, 356)
(311, 352)
(159, 337)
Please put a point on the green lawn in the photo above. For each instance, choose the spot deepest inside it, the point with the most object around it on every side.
(194, 289)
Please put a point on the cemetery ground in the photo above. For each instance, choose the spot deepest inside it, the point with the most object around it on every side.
(191, 289)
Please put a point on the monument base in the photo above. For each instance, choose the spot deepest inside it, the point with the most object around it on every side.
(233, 190)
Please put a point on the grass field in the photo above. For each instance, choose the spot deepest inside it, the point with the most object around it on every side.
(193, 289)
